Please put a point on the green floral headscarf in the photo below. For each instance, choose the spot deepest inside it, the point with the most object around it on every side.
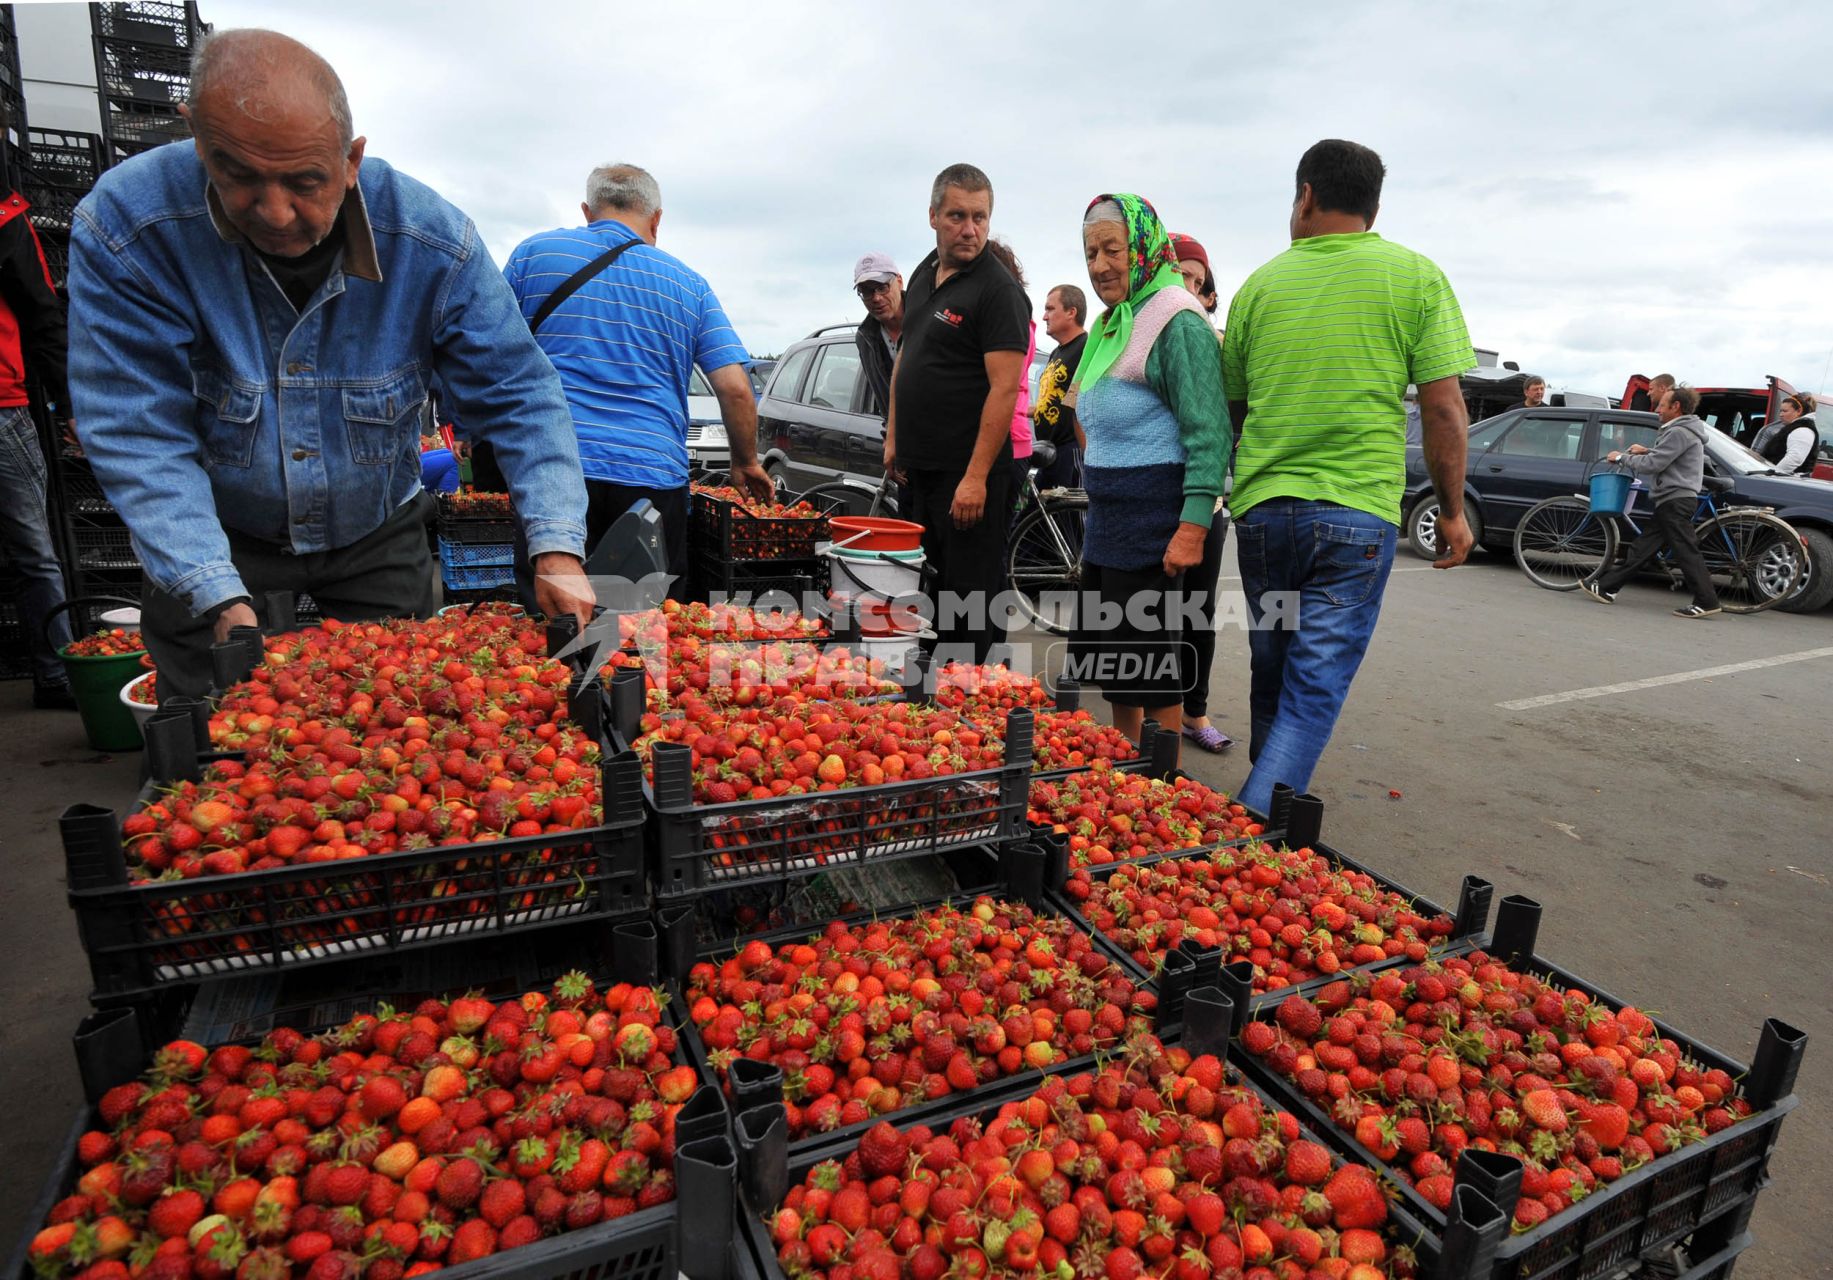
(1151, 266)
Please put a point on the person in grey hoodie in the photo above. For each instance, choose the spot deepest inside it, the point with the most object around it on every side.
(1676, 468)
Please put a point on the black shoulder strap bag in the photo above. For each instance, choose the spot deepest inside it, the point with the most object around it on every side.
(485, 474)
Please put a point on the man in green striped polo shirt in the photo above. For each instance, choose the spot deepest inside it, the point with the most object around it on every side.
(1321, 344)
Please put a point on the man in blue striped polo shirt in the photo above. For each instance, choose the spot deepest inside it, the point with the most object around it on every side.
(625, 342)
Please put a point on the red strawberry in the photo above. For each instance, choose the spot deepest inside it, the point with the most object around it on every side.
(1355, 1198)
(883, 1150)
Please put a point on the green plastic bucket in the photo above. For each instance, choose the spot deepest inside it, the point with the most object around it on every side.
(96, 683)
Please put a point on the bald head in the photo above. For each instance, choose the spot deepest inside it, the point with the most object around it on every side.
(272, 127)
(264, 75)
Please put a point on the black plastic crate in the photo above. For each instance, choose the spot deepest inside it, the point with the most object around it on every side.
(1153, 754)
(757, 1160)
(112, 1047)
(55, 158)
(161, 24)
(56, 248)
(80, 491)
(697, 847)
(151, 73)
(52, 209)
(135, 126)
(949, 1105)
(1703, 1190)
(102, 546)
(1175, 973)
(735, 535)
(143, 936)
(467, 529)
(711, 578)
(15, 651)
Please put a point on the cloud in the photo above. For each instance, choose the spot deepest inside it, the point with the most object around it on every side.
(1596, 207)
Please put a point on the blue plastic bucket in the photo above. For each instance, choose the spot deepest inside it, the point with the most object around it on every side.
(1609, 493)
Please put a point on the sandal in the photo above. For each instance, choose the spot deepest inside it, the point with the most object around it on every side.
(1210, 738)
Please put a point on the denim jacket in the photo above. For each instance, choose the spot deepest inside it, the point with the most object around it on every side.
(205, 400)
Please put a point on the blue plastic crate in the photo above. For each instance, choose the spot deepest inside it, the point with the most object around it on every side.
(476, 555)
(480, 578)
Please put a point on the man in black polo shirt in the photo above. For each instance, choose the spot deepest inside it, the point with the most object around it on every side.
(954, 388)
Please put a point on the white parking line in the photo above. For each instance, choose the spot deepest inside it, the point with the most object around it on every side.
(1678, 677)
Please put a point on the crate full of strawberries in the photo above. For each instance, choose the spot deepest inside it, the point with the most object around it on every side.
(1628, 1135)
(763, 793)
(538, 1131)
(389, 785)
(734, 527)
(1298, 916)
(906, 1014)
(1155, 1164)
(470, 515)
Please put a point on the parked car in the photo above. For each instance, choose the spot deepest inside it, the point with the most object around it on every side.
(760, 375)
(1740, 412)
(707, 446)
(816, 421)
(1521, 457)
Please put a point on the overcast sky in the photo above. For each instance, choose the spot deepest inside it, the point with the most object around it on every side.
(1608, 192)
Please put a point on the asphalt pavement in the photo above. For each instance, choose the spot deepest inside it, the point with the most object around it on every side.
(1676, 832)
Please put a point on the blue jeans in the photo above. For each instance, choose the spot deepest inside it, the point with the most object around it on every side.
(25, 533)
(1336, 561)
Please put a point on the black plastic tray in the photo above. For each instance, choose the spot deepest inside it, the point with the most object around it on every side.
(640, 1246)
(143, 936)
(785, 837)
(723, 529)
(950, 1105)
(1705, 1190)
(1468, 922)
(1403, 1228)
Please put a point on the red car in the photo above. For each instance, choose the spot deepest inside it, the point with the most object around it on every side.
(1740, 412)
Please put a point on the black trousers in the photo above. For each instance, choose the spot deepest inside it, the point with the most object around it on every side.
(388, 574)
(1673, 528)
(605, 502)
(1200, 586)
(969, 564)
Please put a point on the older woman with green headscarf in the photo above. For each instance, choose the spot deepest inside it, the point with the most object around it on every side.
(1149, 397)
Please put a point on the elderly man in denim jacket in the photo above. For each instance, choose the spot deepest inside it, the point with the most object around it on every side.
(255, 324)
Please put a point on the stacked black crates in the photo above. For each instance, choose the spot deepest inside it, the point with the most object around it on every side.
(57, 170)
(143, 72)
(12, 94)
(99, 557)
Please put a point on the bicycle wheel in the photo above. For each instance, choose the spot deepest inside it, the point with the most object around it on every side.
(1044, 561)
(1755, 559)
(852, 498)
(1559, 543)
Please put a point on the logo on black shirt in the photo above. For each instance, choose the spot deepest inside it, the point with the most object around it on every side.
(950, 317)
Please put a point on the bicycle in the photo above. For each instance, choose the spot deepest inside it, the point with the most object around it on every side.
(1044, 548)
(1754, 557)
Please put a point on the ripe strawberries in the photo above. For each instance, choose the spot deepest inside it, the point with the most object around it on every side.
(1096, 1175)
(392, 1155)
(1424, 1061)
(871, 1018)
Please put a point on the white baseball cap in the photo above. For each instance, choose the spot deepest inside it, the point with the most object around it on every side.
(876, 267)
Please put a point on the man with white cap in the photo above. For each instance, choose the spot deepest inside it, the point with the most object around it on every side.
(881, 288)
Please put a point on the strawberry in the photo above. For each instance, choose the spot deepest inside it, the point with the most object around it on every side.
(883, 1150)
(1355, 1198)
